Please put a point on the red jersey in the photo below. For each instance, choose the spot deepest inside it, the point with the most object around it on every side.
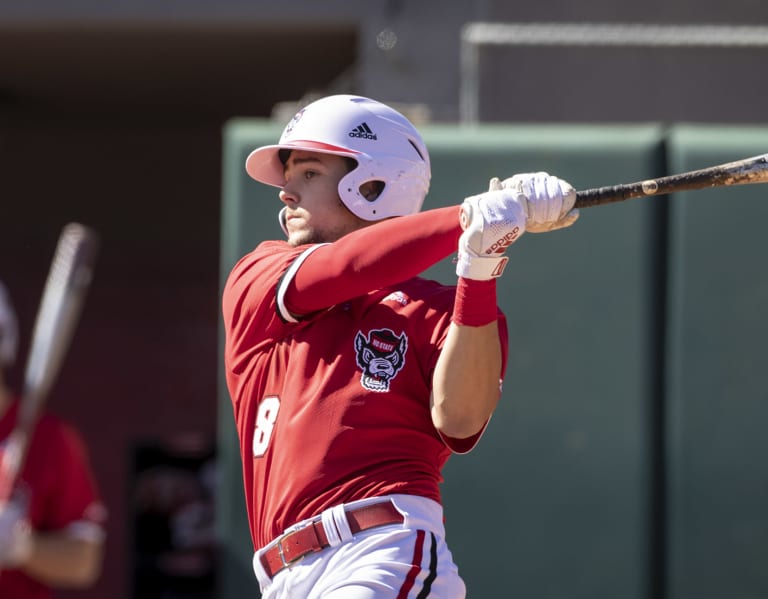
(335, 407)
(60, 489)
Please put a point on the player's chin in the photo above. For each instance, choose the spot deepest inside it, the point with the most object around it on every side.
(301, 237)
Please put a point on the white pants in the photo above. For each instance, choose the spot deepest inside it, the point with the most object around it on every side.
(396, 561)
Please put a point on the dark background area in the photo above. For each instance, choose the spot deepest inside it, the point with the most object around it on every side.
(120, 129)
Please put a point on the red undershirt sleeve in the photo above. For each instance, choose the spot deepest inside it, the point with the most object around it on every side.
(382, 254)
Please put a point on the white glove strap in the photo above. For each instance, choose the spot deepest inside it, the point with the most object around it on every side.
(479, 268)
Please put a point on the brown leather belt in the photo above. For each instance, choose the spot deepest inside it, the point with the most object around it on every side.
(311, 538)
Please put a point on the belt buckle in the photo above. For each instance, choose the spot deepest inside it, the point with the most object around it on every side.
(286, 563)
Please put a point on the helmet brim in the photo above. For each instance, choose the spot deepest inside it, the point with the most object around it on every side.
(264, 164)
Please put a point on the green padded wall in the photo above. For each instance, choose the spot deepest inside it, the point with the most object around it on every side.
(556, 500)
(717, 384)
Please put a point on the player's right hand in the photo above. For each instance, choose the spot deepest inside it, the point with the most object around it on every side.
(15, 533)
(492, 221)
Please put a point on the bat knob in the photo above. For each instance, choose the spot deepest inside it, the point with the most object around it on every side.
(465, 216)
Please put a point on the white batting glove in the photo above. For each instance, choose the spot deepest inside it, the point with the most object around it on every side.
(492, 221)
(15, 534)
(549, 201)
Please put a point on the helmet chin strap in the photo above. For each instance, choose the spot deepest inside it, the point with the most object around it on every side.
(281, 220)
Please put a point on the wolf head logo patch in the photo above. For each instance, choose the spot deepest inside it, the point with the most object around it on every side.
(380, 355)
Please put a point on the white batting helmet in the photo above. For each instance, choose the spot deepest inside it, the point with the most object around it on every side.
(386, 146)
(9, 329)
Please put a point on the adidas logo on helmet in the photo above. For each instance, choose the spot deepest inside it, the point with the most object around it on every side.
(363, 131)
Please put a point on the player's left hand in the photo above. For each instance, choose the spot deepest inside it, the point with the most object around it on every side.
(549, 201)
(492, 221)
(15, 533)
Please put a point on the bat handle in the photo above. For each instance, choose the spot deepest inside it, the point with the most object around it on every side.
(616, 193)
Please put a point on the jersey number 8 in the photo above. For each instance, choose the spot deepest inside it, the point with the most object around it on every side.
(265, 424)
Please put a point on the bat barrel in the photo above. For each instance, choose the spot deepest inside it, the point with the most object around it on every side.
(741, 172)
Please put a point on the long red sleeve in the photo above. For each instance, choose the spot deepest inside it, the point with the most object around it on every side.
(377, 256)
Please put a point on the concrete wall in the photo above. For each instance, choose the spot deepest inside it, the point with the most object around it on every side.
(411, 52)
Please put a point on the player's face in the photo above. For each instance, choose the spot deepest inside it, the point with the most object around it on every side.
(315, 213)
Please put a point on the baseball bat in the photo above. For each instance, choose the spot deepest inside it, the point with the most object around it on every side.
(740, 172)
(65, 288)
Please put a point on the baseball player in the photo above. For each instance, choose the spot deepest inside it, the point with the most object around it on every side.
(52, 528)
(352, 378)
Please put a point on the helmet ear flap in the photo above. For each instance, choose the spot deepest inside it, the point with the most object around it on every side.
(383, 188)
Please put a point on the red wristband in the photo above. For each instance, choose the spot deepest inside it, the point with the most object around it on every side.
(475, 303)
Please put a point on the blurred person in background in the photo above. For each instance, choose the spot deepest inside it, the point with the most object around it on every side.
(52, 527)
